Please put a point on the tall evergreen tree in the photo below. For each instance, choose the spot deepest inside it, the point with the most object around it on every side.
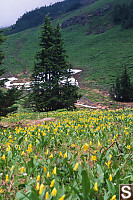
(51, 67)
(123, 89)
(7, 97)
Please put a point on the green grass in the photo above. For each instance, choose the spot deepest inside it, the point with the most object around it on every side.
(102, 57)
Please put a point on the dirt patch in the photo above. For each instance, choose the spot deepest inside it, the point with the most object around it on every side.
(26, 123)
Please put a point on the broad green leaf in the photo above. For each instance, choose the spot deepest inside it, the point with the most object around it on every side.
(111, 187)
(85, 184)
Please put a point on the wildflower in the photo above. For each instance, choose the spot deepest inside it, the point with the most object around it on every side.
(22, 169)
(8, 148)
(128, 146)
(3, 157)
(60, 154)
(99, 143)
(93, 158)
(29, 148)
(54, 171)
(45, 169)
(37, 186)
(73, 145)
(76, 167)
(54, 192)
(36, 157)
(95, 187)
(47, 152)
(85, 147)
(51, 156)
(22, 153)
(48, 175)
(7, 178)
(12, 168)
(113, 197)
(1, 191)
(47, 195)
(38, 178)
(108, 163)
(52, 183)
(62, 198)
(90, 143)
(110, 177)
(65, 155)
(41, 189)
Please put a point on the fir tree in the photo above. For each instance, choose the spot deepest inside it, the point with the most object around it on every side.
(51, 67)
(122, 90)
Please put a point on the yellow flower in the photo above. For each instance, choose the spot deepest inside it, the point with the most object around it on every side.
(90, 143)
(110, 177)
(76, 167)
(38, 178)
(128, 146)
(52, 183)
(113, 197)
(8, 148)
(36, 157)
(60, 154)
(12, 168)
(108, 163)
(51, 156)
(48, 175)
(65, 155)
(93, 158)
(22, 169)
(37, 186)
(41, 189)
(47, 152)
(47, 195)
(7, 178)
(99, 143)
(54, 192)
(54, 171)
(95, 187)
(3, 157)
(62, 198)
(45, 169)
(22, 153)
(85, 147)
(29, 148)
(1, 190)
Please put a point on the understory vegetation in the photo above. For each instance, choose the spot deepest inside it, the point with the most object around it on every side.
(83, 154)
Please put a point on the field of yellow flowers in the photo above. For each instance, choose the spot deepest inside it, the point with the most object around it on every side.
(82, 155)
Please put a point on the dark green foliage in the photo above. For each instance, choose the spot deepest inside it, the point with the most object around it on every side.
(51, 67)
(123, 89)
(123, 14)
(8, 97)
(35, 17)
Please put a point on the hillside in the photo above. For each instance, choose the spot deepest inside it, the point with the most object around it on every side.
(93, 42)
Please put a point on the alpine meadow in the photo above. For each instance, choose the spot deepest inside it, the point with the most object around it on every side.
(66, 102)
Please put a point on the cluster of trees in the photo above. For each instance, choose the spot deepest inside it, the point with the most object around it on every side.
(8, 97)
(51, 67)
(35, 17)
(123, 14)
(123, 88)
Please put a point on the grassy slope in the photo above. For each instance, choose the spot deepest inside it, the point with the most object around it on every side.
(101, 56)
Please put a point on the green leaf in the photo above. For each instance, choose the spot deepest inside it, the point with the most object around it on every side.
(85, 184)
(111, 187)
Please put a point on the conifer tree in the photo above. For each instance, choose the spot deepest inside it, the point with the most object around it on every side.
(51, 67)
(123, 89)
(7, 97)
